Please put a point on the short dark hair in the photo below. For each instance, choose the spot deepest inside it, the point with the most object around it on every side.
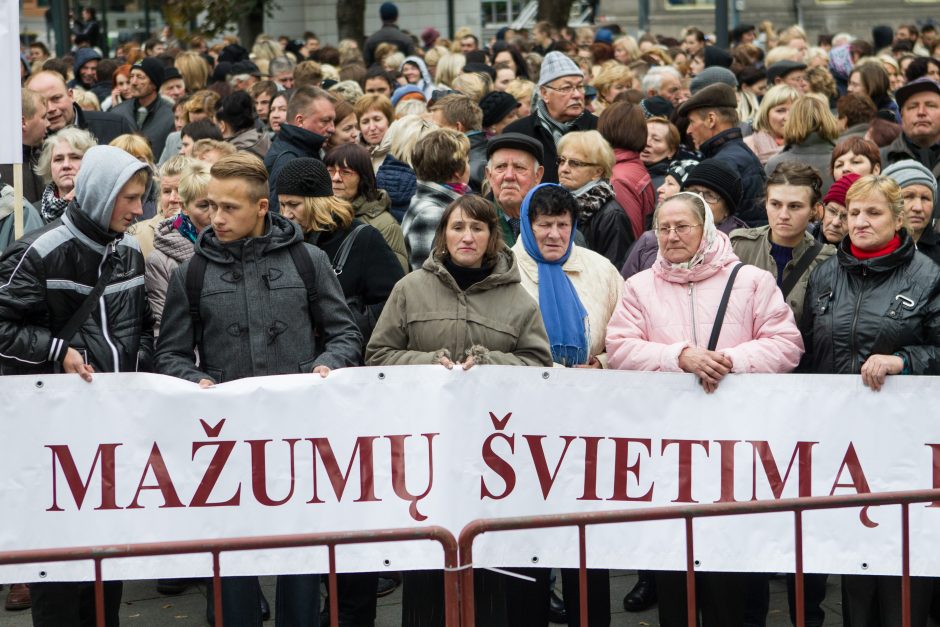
(203, 129)
(106, 68)
(799, 175)
(919, 67)
(477, 208)
(302, 97)
(553, 200)
(856, 109)
(859, 146)
(357, 159)
(623, 125)
(377, 71)
(237, 110)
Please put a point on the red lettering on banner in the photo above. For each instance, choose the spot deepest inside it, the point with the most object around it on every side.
(802, 451)
(399, 482)
(500, 423)
(685, 466)
(211, 477)
(858, 481)
(622, 468)
(259, 468)
(498, 465)
(339, 479)
(61, 454)
(164, 482)
(726, 450)
(590, 468)
(546, 480)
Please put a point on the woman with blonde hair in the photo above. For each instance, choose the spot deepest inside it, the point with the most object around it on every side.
(810, 134)
(522, 91)
(767, 139)
(175, 237)
(610, 82)
(448, 68)
(366, 267)
(58, 165)
(168, 202)
(202, 105)
(626, 50)
(194, 69)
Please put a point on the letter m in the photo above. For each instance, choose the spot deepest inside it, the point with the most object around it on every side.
(802, 451)
(62, 456)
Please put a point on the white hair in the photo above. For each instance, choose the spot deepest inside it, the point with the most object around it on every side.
(653, 81)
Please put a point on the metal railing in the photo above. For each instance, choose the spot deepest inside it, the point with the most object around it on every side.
(98, 554)
(689, 513)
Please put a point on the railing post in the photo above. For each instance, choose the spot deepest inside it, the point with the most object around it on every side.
(99, 594)
(799, 590)
(582, 575)
(332, 587)
(905, 565)
(217, 589)
(690, 574)
(467, 609)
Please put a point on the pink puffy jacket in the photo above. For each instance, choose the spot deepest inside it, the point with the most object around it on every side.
(665, 309)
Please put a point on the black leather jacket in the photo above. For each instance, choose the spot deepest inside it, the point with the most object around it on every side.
(882, 306)
(44, 278)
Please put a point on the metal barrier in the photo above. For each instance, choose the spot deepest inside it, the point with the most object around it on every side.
(690, 513)
(215, 547)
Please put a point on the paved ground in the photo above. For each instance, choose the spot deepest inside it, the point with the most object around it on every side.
(143, 607)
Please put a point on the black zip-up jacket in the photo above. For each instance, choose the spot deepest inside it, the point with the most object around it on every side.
(531, 126)
(45, 277)
(883, 306)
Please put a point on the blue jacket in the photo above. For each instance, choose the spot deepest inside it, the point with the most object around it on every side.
(399, 181)
(730, 148)
(292, 142)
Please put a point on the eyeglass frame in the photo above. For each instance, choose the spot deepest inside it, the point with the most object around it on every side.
(560, 161)
(568, 90)
(665, 231)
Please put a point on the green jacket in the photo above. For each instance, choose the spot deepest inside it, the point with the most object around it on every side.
(427, 314)
(752, 246)
(375, 213)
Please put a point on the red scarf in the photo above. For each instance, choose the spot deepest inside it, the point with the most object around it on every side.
(887, 249)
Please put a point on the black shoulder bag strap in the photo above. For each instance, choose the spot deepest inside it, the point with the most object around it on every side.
(799, 268)
(343, 253)
(308, 274)
(195, 277)
(88, 305)
(722, 307)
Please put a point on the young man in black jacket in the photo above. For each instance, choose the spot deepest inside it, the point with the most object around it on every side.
(44, 279)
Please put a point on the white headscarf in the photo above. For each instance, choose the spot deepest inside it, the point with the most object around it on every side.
(709, 234)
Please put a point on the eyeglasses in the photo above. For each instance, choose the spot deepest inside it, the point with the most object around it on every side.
(709, 196)
(343, 172)
(567, 89)
(574, 163)
(680, 230)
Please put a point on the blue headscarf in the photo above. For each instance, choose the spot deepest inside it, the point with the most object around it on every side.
(564, 316)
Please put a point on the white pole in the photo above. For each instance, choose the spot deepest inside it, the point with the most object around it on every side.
(17, 200)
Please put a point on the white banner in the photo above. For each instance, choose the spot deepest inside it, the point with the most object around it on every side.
(144, 458)
(11, 117)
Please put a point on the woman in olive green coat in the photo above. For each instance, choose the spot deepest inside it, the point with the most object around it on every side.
(465, 306)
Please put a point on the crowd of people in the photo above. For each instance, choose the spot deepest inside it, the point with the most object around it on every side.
(572, 198)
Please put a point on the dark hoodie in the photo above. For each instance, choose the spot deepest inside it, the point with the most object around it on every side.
(45, 276)
(250, 322)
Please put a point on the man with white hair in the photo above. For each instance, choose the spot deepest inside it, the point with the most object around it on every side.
(281, 70)
(664, 81)
(560, 109)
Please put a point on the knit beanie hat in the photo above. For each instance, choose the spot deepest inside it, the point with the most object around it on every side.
(715, 56)
(720, 178)
(555, 65)
(305, 177)
(429, 35)
(910, 172)
(388, 12)
(882, 36)
(656, 106)
(680, 169)
(497, 105)
(712, 75)
(153, 68)
(840, 188)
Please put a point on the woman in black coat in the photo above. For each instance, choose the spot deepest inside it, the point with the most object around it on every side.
(366, 267)
(874, 309)
(585, 161)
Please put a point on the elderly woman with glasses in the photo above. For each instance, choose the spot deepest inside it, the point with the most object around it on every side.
(664, 322)
(585, 162)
